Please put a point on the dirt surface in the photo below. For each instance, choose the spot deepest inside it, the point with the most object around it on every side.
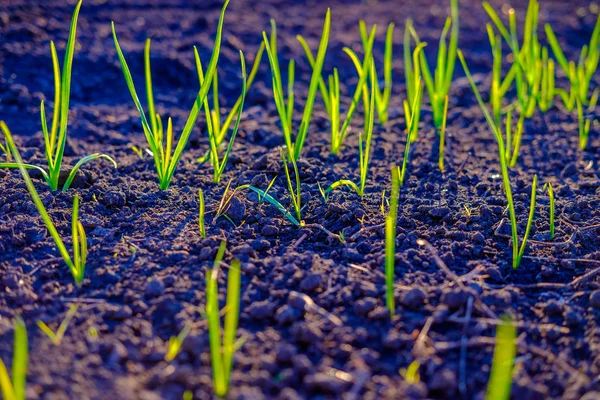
(147, 262)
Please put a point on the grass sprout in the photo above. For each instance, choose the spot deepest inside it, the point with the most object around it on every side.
(331, 93)
(263, 195)
(390, 243)
(364, 148)
(57, 337)
(412, 76)
(222, 348)
(294, 193)
(55, 138)
(518, 249)
(219, 126)
(285, 107)
(580, 75)
(438, 84)
(77, 263)
(201, 225)
(159, 140)
(505, 350)
(550, 191)
(15, 389)
(175, 343)
(411, 373)
(214, 131)
(499, 86)
(443, 137)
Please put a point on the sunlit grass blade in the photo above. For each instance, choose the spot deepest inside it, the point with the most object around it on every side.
(285, 107)
(443, 137)
(176, 342)
(505, 350)
(390, 242)
(201, 225)
(15, 389)
(551, 196)
(166, 159)
(77, 264)
(263, 195)
(57, 337)
(294, 194)
(517, 250)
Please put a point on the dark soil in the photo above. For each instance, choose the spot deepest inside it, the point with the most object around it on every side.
(147, 263)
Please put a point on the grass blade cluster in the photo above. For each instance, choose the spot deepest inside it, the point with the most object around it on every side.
(331, 92)
(438, 84)
(79, 239)
(364, 147)
(161, 142)
(294, 194)
(15, 389)
(414, 91)
(222, 349)
(264, 195)
(518, 248)
(505, 350)
(390, 242)
(285, 107)
(57, 337)
(213, 123)
(55, 138)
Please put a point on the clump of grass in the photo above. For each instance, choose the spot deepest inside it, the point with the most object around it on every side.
(15, 389)
(55, 139)
(77, 263)
(214, 131)
(331, 93)
(390, 242)
(364, 149)
(264, 195)
(285, 107)
(222, 349)
(518, 248)
(201, 210)
(499, 86)
(175, 343)
(505, 350)
(160, 141)
(550, 191)
(57, 337)
(438, 84)
(220, 127)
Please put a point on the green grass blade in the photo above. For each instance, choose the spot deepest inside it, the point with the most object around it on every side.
(271, 200)
(46, 329)
(149, 90)
(452, 47)
(12, 165)
(201, 224)
(65, 97)
(214, 325)
(36, 198)
(390, 242)
(322, 85)
(505, 350)
(340, 183)
(312, 89)
(50, 146)
(529, 219)
(19, 366)
(80, 163)
(232, 316)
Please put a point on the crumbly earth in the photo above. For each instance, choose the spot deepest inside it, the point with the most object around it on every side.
(147, 261)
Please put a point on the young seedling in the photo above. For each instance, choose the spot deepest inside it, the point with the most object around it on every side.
(77, 263)
(443, 137)
(57, 337)
(547, 87)
(201, 225)
(294, 194)
(414, 92)
(175, 343)
(518, 248)
(505, 350)
(382, 97)
(159, 141)
(15, 389)
(411, 373)
(499, 86)
(55, 139)
(390, 243)
(580, 75)
(285, 108)
(4, 149)
(222, 349)
(331, 94)
(364, 148)
(550, 190)
(222, 127)
(438, 84)
(214, 131)
(527, 55)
